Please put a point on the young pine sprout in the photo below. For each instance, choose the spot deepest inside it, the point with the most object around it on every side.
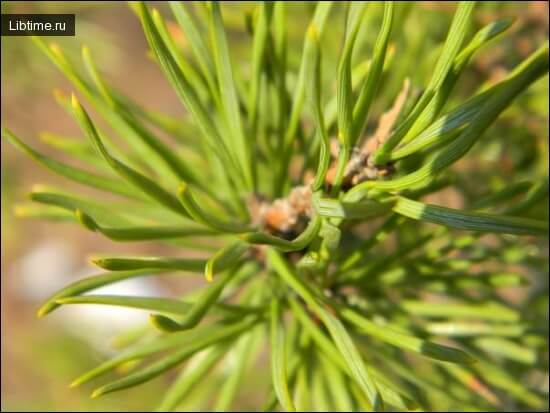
(337, 272)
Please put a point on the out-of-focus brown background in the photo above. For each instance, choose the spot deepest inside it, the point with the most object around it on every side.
(40, 357)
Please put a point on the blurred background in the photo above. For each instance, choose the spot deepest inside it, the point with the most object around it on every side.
(40, 357)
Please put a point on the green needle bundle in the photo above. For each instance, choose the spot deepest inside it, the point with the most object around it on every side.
(301, 177)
